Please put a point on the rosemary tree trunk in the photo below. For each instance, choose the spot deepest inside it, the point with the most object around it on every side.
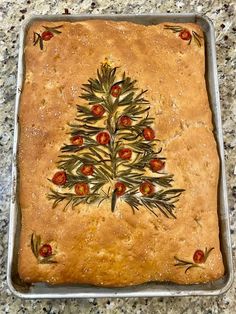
(111, 127)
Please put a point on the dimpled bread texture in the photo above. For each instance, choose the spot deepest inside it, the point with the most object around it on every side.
(93, 245)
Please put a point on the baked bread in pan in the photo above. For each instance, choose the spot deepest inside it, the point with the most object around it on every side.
(118, 165)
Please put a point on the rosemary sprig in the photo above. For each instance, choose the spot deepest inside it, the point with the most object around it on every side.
(53, 29)
(197, 38)
(35, 244)
(162, 200)
(186, 264)
(38, 40)
(175, 29)
(207, 252)
(71, 198)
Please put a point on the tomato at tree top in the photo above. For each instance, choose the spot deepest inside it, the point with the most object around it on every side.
(59, 178)
(199, 257)
(98, 110)
(103, 138)
(120, 188)
(47, 35)
(148, 134)
(115, 90)
(81, 189)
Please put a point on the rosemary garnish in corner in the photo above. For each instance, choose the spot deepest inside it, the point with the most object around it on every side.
(42, 251)
(199, 257)
(185, 34)
(46, 35)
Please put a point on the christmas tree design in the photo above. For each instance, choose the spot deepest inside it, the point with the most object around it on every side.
(112, 151)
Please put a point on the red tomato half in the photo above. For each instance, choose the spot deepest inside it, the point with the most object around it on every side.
(98, 110)
(199, 257)
(185, 34)
(81, 189)
(103, 138)
(77, 140)
(120, 188)
(59, 178)
(148, 134)
(156, 164)
(87, 170)
(47, 35)
(45, 250)
(147, 188)
(125, 153)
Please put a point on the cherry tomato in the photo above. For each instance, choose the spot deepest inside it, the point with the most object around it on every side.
(156, 164)
(59, 178)
(103, 138)
(77, 140)
(47, 35)
(147, 188)
(98, 110)
(125, 121)
(199, 257)
(115, 90)
(87, 170)
(120, 188)
(125, 153)
(148, 134)
(45, 250)
(81, 189)
(185, 34)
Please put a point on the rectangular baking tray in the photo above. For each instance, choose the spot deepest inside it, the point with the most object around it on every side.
(152, 289)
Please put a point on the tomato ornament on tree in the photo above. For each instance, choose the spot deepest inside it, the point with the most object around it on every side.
(156, 164)
(148, 134)
(87, 170)
(46, 35)
(59, 178)
(147, 188)
(125, 153)
(81, 189)
(98, 110)
(103, 138)
(185, 34)
(199, 257)
(125, 121)
(115, 90)
(77, 140)
(45, 250)
(120, 188)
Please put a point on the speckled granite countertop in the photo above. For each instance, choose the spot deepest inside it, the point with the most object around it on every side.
(12, 13)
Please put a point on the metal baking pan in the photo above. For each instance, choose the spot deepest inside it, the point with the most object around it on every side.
(151, 289)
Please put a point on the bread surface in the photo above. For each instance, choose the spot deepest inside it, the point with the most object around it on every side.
(91, 243)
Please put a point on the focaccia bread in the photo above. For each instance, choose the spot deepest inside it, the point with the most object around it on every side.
(118, 165)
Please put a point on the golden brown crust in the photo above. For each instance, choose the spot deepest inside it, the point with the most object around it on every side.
(94, 245)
